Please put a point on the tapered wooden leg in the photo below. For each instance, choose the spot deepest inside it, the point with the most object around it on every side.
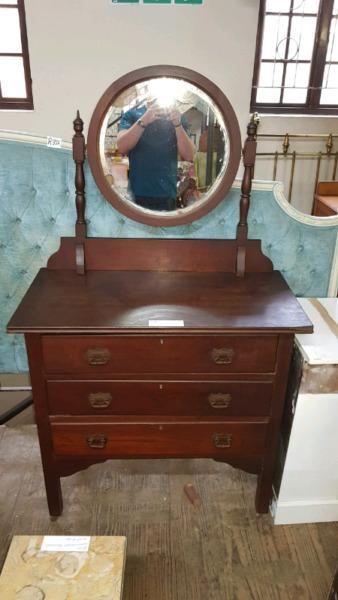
(264, 489)
(265, 478)
(50, 470)
(54, 494)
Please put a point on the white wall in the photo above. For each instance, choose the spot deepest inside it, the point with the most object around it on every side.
(79, 47)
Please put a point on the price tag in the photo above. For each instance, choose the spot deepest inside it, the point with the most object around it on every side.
(65, 543)
(54, 142)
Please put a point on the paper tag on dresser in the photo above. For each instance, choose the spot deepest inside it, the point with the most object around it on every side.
(65, 543)
(165, 323)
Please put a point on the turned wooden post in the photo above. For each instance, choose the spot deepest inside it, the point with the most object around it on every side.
(79, 155)
(249, 156)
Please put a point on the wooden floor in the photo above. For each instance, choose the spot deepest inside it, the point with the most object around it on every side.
(219, 550)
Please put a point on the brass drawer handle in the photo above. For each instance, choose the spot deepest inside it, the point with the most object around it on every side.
(222, 440)
(219, 400)
(100, 400)
(98, 356)
(97, 441)
(222, 356)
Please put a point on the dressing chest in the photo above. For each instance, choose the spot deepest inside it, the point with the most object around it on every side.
(159, 347)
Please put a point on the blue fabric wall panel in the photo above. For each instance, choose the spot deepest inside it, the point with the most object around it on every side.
(37, 208)
(303, 253)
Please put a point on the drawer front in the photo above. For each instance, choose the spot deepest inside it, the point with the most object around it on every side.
(159, 354)
(160, 398)
(165, 439)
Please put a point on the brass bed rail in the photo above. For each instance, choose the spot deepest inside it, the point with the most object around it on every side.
(328, 153)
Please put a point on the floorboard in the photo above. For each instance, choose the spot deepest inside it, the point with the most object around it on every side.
(214, 549)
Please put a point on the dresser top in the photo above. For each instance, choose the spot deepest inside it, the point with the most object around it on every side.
(60, 301)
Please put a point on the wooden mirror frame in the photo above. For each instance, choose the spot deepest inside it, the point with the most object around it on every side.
(231, 123)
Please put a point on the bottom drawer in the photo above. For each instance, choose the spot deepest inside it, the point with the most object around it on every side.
(126, 438)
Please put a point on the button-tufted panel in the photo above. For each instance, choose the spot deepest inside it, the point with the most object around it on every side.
(303, 253)
(37, 207)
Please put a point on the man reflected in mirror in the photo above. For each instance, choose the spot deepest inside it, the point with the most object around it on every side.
(154, 137)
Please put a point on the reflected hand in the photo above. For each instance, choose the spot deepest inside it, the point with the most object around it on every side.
(152, 114)
(175, 117)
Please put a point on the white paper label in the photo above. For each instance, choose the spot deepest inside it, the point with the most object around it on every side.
(65, 543)
(53, 142)
(165, 323)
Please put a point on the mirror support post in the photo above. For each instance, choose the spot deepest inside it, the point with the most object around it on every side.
(249, 156)
(79, 155)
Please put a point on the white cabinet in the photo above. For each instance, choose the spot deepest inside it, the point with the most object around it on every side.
(309, 486)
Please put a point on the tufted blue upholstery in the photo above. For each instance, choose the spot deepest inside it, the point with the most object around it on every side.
(37, 207)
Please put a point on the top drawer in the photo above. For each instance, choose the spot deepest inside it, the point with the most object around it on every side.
(159, 354)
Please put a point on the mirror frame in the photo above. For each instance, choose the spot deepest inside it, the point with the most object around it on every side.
(181, 216)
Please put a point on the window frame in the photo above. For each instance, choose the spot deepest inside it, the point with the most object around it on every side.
(13, 103)
(317, 68)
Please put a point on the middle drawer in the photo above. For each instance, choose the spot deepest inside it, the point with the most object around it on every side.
(247, 398)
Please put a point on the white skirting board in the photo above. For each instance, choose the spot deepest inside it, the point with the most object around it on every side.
(302, 511)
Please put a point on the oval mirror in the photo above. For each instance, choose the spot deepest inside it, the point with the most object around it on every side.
(164, 145)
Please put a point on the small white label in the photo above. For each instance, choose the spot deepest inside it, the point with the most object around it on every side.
(165, 323)
(53, 142)
(65, 543)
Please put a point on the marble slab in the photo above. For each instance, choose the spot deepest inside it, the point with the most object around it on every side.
(29, 574)
(320, 347)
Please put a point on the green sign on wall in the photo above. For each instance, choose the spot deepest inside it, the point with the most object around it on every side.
(157, 1)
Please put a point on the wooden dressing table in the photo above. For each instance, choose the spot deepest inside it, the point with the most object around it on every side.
(106, 384)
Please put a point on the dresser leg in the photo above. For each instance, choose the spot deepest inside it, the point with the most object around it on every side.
(264, 490)
(54, 494)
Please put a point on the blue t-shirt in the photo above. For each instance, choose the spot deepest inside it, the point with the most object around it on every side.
(153, 161)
